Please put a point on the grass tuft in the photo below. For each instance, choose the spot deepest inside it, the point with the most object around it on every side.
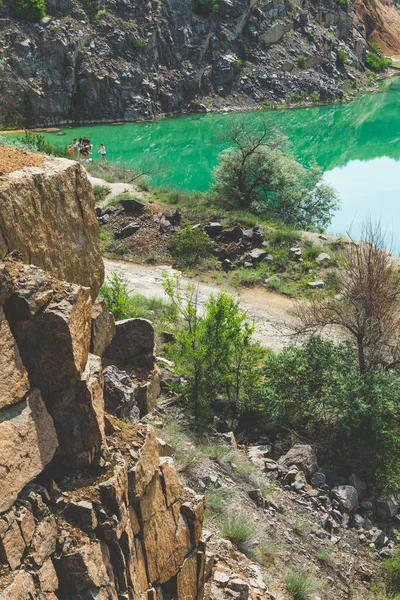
(300, 584)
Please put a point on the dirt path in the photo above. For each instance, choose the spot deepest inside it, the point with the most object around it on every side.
(116, 189)
(270, 311)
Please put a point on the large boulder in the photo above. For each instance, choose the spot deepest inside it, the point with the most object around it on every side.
(120, 394)
(78, 413)
(387, 507)
(347, 497)
(28, 442)
(301, 456)
(134, 343)
(51, 322)
(47, 214)
(14, 382)
(103, 327)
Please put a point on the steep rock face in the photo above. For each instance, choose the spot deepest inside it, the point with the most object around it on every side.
(382, 23)
(139, 59)
(46, 213)
(109, 519)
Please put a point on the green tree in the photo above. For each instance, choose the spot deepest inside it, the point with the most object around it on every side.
(214, 350)
(30, 10)
(258, 174)
(116, 294)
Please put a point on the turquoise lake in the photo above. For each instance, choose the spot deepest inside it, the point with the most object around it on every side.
(356, 144)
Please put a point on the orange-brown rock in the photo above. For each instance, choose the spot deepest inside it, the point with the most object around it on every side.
(14, 382)
(51, 322)
(28, 442)
(78, 414)
(47, 214)
(103, 327)
(382, 23)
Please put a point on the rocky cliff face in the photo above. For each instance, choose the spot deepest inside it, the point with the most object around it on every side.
(382, 23)
(97, 61)
(47, 214)
(87, 507)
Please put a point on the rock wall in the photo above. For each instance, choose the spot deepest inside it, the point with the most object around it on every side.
(88, 509)
(122, 61)
(382, 23)
(47, 214)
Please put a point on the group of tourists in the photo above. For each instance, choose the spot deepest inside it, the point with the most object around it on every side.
(81, 149)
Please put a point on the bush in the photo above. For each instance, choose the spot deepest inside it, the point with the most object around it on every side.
(238, 64)
(342, 3)
(37, 143)
(213, 351)
(101, 192)
(300, 584)
(317, 391)
(391, 568)
(139, 44)
(190, 246)
(115, 291)
(30, 10)
(206, 7)
(302, 62)
(376, 62)
(342, 57)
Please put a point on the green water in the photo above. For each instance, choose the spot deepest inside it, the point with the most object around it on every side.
(357, 145)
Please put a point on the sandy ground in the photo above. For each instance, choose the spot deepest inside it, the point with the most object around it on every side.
(270, 311)
(12, 159)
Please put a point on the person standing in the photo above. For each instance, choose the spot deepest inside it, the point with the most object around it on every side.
(103, 152)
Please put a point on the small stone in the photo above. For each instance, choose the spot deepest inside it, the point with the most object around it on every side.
(221, 578)
(127, 231)
(323, 258)
(316, 284)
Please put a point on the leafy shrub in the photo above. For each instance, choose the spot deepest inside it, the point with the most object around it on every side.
(315, 97)
(391, 568)
(30, 10)
(37, 143)
(342, 57)
(100, 192)
(101, 14)
(238, 64)
(342, 3)
(190, 246)
(115, 291)
(318, 391)
(139, 43)
(214, 351)
(301, 62)
(300, 584)
(206, 7)
(376, 62)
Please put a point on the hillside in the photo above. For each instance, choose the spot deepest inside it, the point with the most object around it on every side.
(119, 61)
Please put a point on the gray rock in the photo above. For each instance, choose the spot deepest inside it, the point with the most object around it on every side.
(82, 513)
(132, 206)
(213, 229)
(316, 284)
(387, 507)
(358, 521)
(318, 479)
(120, 394)
(303, 457)
(256, 255)
(360, 485)
(295, 252)
(323, 258)
(134, 343)
(347, 497)
(127, 231)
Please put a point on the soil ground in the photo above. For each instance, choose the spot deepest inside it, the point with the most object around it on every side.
(13, 159)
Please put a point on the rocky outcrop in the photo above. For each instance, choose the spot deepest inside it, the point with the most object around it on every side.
(382, 23)
(126, 61)
(87, 507)
(47, 214)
